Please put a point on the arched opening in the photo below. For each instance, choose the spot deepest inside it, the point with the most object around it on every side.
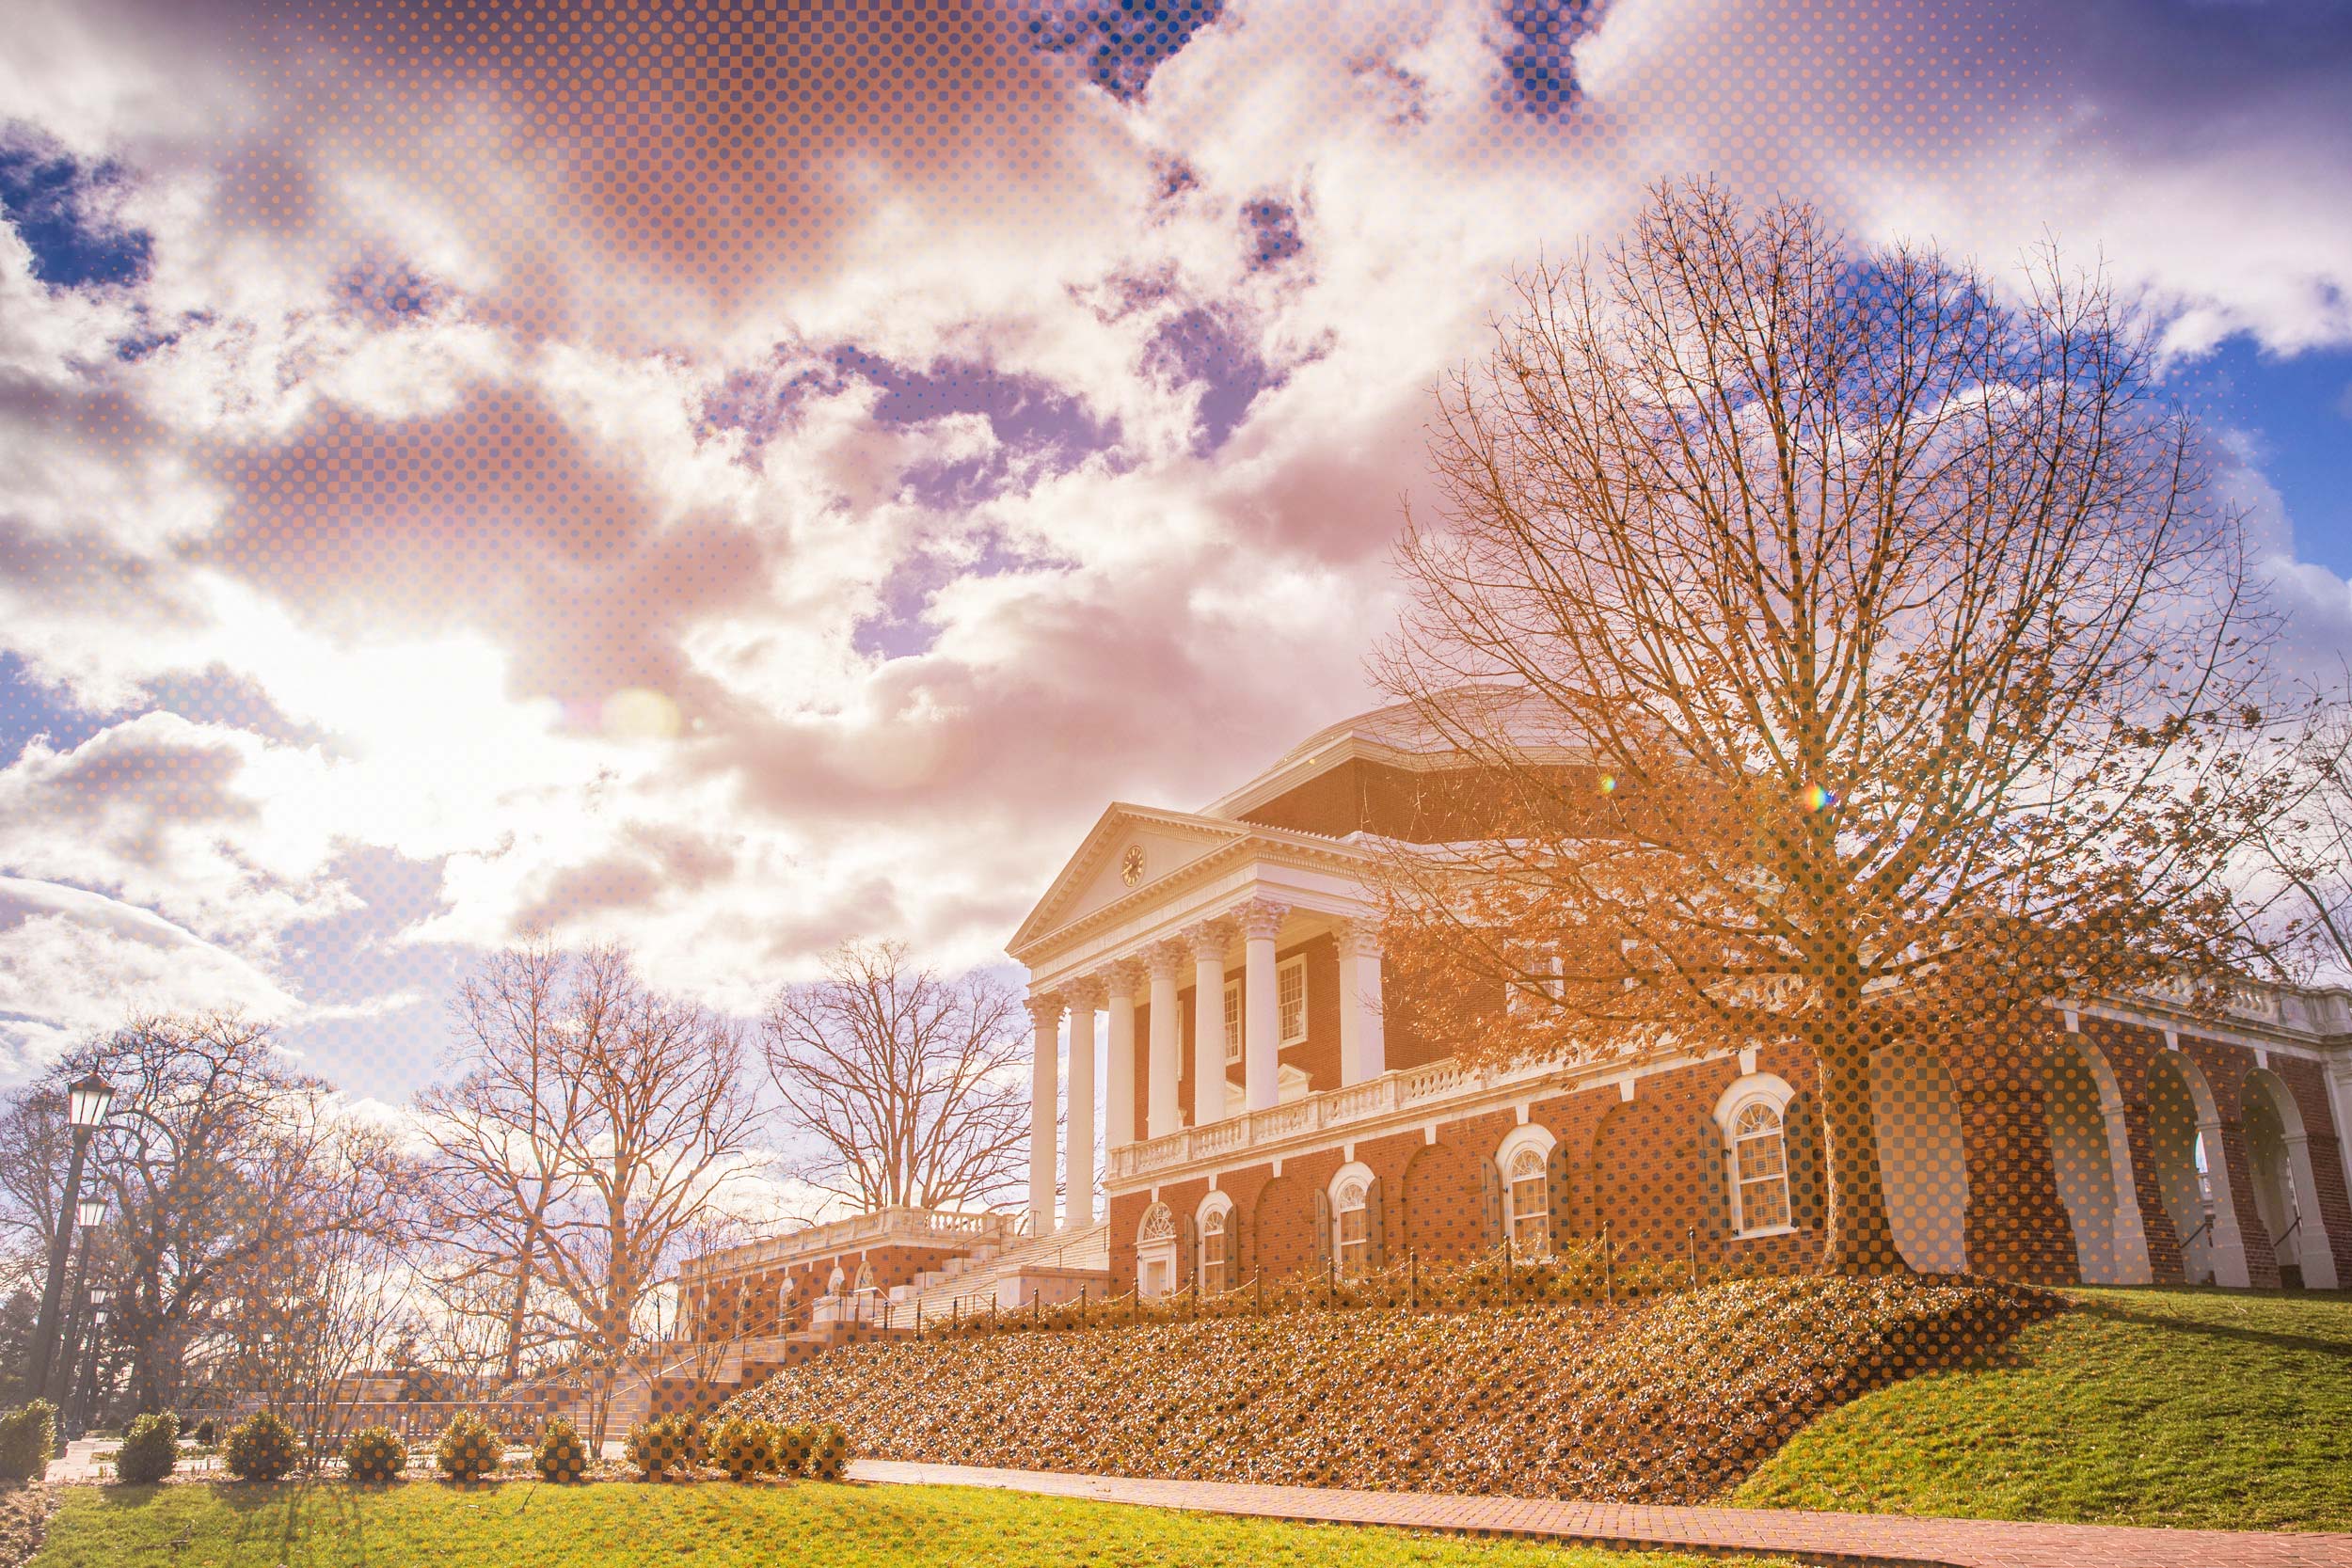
(2090, 1153)
(2278, 1157)
(1923, 1157)
(2184, 1127)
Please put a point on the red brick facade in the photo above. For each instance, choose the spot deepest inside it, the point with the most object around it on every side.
(1651, 1169)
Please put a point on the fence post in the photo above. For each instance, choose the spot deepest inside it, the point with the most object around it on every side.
(1257, 1283)
(1507, 1273)
(1412, 1271)
(1692, 1234)
(1081, 1305)
(1607, 1264)
(1037, 1304)
(1330, 1284)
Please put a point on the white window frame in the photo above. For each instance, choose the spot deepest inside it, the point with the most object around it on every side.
(1235, 1021)
(1358, 1176)
(1755, 1088)
(1537, 1140)
(1295, 963)
(1155, 1245)
(1217, 1206)
(1517, 1001)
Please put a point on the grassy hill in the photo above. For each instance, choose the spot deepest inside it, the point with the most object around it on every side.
(2140, 1406)
(1669, 1400)
(717, 1525)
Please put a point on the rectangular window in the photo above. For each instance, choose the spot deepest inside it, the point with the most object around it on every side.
(1760, 1158)
(1531, 1225)
(1233, 1021)
(1355, 1242)
(1212, 1257)
(1290, 991)
(1539, 972)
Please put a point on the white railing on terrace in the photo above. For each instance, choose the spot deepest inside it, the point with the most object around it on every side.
(947, 1226)
(1369, 1100)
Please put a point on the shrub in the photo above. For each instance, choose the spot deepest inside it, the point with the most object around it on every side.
(829, 1455)
(560, 1456)
(471, 1448)
(742, 1446)
(28, 1439)
(662, 1444)
(793, 1441)
(204, 1434)
(261, 1447)
(151, 1446)
(373, 1454)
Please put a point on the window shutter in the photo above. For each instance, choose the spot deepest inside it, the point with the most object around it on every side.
(1714, 1196)
(1559, 1193)
(1490, 1191)
(1323, 1229)
(1375, 1236)
(1185, 1251)
(1804, 1170)
(1237, 1263)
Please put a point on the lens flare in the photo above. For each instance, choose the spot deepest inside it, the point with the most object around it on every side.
(1818, 798)
(1608, 783)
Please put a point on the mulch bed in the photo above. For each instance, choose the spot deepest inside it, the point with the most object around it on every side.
(1666, 1400)
(25, 1510)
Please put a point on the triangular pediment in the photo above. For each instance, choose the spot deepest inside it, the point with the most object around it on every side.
(1163, 842)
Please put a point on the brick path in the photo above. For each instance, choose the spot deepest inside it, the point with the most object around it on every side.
(1836, 1538)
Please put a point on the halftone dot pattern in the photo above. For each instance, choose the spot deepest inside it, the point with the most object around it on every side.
(633, 179)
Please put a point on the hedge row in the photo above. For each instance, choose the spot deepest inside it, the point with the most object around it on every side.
(1667, 1400)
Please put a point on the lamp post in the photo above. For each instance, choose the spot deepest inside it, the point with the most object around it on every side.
(100, 1304)
(89, 1213)
(87, 1099)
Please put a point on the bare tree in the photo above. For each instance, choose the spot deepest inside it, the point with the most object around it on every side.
(911, 1085)
(1849, 655)
(504, 1137)
(596, 1124)
(2307, 850)
(218, 1156)
(305, 1320)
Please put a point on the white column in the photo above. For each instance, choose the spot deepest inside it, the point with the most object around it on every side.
(1160, 1093)
(1208, 1022)
(1077, 1157)
(2315, 1252)
(1261, 1044)
(1045, 1011)
(2131, 1232)
(1120, 1083)
(2228, 1241)
(1363, 1038)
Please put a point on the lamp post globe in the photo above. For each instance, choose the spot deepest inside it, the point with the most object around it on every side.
(89, 1211)
(87, 1099)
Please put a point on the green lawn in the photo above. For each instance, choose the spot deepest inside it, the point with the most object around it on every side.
(710, 1525)
(2140, 1408)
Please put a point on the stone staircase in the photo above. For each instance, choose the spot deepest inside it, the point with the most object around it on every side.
(969, 1285)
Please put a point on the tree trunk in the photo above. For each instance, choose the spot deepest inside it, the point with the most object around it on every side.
(1860, 1237)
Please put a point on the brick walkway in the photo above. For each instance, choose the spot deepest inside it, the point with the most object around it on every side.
(1837, 1538)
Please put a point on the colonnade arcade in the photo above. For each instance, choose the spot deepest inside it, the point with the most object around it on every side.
(1151, 973)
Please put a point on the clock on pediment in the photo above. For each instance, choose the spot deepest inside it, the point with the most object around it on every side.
(1131, 864)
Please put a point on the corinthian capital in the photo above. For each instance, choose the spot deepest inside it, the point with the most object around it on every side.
(1045, 1008)
(1260, 918)
(1210, 938)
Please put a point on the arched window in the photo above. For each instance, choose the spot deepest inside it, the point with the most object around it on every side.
(1352, 1224)
(1216, 1261)
(1531, 1204)
(1759, 1165)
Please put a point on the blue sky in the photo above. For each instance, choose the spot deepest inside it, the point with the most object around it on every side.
(777, 495)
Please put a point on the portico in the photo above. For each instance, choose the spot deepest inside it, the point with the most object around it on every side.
(1252, 956)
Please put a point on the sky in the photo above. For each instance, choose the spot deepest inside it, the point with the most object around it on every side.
(740, 480)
